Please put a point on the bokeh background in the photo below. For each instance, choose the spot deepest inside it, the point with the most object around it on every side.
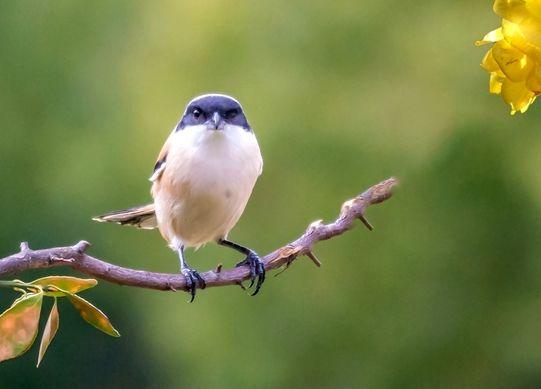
(446, 292)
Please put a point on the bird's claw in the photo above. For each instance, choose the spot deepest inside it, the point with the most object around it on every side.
(192, 279)
(257, 270)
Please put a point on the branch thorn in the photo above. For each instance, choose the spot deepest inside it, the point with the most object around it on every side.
(24, 247)
(170, 287)
(239, 283)
(314, 259)
(366, 223)
(82, 246)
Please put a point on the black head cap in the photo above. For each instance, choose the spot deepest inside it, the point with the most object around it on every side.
(202, 108)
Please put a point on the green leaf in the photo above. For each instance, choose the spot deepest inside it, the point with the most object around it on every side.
(21, 297)
(19, 326)
(66, 283)
(92, 315)
(49, 332)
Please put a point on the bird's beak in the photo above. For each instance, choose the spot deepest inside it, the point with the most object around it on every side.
(216, 122)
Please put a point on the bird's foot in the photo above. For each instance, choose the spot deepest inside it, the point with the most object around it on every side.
(193, 278)
(257, 270)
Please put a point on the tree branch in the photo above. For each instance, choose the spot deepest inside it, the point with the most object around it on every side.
(76, 257)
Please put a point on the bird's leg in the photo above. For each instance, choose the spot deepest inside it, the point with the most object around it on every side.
(192, 276)
(257, 267)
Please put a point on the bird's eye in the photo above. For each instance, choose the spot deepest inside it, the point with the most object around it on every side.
(231, 114)
(197, 113)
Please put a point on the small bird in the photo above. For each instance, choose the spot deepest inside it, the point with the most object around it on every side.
(201, 183)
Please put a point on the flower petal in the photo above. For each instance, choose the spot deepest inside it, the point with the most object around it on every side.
(534, 8)
(525, 37)
(513, 63)
(490, 65)
(495, 84)
(517, 96)
(491, 37)
(513, 10)
(533, 82)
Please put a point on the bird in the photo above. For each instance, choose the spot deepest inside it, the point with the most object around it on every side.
(201, 182)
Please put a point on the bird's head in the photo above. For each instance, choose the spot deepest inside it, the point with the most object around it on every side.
(215, 112)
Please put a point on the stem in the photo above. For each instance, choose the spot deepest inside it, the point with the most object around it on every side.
(17, 284)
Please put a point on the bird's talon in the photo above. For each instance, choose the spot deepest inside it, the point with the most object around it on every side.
(192, 279)
(200, 279)
(257, 270)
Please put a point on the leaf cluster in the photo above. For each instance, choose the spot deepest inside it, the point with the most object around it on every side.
(19, 323)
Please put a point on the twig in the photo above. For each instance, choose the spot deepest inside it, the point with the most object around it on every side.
(76, 257)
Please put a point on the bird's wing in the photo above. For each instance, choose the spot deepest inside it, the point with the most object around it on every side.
(161, 162)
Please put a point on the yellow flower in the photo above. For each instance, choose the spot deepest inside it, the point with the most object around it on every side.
(514, 61)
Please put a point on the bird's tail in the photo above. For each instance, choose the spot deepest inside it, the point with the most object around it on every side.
(142, 216)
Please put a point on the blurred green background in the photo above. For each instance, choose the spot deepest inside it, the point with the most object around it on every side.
(446, 292)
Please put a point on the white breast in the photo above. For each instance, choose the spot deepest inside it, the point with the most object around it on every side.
(206, 184)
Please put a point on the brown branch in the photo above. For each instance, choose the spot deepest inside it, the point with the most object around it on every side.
(76, 257)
